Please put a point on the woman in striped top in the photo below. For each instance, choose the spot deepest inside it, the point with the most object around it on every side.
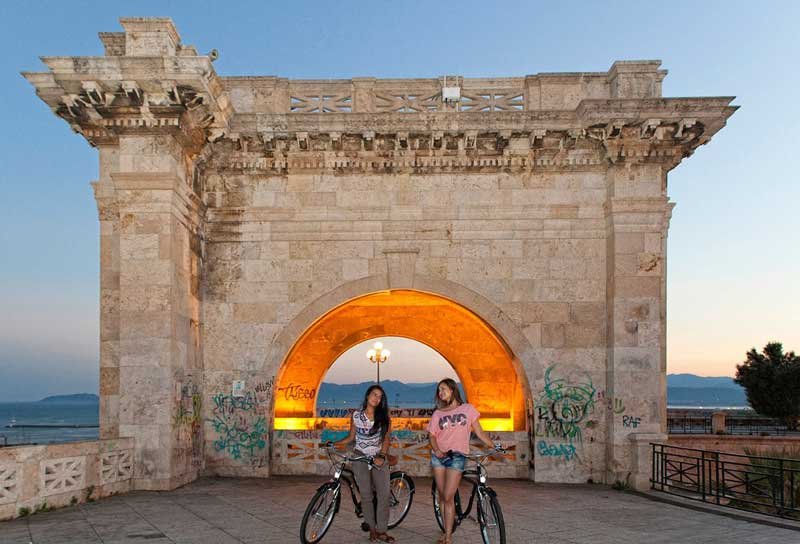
(371, 428)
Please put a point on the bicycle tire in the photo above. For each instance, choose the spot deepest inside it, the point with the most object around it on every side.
(490, 518)
(317, 501)
(437, 513)
(399, 482)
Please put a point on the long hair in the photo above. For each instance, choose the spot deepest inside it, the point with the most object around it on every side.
(450, 383)
(381, 418)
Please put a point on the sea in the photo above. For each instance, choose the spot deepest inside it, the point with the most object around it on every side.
(14, 415)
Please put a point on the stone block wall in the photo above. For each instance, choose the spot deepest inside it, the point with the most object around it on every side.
(236, 211)
(40, 477)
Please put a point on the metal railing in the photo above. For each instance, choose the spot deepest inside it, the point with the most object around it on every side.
(738, 425)
(754, 426)
(689, 425)
(766, 485)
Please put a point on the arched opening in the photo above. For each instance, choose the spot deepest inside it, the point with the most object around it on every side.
(477, 353)
(408, 376)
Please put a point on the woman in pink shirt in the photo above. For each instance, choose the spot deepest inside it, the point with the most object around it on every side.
(449, 430)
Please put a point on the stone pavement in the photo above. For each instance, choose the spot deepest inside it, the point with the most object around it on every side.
(265, 511)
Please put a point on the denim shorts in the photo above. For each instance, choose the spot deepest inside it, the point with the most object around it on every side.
(456, 461)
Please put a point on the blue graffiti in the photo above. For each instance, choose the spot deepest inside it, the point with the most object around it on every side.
(567, 451)
(333, 436)
(238, 438)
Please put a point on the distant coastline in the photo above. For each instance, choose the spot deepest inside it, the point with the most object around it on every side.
(77, 398)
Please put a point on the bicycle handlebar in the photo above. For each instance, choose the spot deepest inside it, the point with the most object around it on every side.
(478, 455)
(332, 451)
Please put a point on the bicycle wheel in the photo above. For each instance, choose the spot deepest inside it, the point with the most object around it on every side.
(437, 511)
(490, 518)
(401, 495)
(320, 513)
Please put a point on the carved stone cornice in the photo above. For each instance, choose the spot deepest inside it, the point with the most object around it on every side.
(596, 134)
(148, 82)
(167, 90)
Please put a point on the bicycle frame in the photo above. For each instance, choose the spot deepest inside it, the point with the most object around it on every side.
(343, 472)
(478, 477)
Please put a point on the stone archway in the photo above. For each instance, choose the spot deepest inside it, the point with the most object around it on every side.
(479, 356)
(500, 387)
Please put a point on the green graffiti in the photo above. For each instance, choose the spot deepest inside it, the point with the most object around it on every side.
(563, 407)
(241, 431)
(236, 439)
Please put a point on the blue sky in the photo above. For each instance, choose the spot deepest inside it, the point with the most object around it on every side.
(734, 260)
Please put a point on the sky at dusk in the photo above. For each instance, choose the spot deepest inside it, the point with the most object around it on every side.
(733, 258)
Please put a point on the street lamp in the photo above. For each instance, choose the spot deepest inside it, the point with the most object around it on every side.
(378, 355)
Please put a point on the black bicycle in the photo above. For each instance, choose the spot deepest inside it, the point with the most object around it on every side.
(490, 516)
(324, 506)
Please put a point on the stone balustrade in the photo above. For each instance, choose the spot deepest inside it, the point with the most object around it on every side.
(35, 478)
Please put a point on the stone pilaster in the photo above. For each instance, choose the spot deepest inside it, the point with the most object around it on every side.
(637, 215)
(150, 105)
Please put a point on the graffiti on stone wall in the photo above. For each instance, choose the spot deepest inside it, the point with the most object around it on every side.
(187, 418)
(564, 451)
(615, 404)
(562, 414)
(241, 425)
(631, 421)
(563, 407)
(296, 392)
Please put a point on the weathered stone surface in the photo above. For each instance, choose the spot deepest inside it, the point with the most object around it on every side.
(237, 213)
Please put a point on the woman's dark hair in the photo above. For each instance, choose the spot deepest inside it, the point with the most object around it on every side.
(453, 386)
(381, 418)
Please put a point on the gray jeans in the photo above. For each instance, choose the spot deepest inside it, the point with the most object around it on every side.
(379, 479)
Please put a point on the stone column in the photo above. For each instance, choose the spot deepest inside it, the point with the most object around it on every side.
(108, 215)
(637, 215)
(150, 105)
(157, 363)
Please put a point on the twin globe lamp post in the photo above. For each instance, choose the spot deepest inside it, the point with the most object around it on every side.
(378, 355)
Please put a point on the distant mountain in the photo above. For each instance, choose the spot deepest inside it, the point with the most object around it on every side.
(682, 390)
(78, 398)
(690, 380)
(352, 394)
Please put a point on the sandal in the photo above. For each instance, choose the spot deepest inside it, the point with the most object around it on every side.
(373, 535)
(384, 537)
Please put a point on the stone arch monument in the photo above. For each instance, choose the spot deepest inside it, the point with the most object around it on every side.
(238, 214)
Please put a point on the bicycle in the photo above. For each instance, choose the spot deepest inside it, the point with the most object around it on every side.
(325, 503)
(490, 516)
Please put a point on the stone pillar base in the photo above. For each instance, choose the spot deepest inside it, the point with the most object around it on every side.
(642, 458)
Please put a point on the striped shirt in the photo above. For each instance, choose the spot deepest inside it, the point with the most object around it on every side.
(366, 443)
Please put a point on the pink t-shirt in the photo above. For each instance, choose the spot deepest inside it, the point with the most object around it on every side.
(452, 428)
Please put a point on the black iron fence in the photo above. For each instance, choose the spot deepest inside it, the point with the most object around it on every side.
(766, 485)
(739, 425)
(689, 424)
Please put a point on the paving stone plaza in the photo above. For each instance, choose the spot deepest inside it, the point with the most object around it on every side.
(268, 511)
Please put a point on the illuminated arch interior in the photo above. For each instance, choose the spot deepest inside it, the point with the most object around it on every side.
(478, 355)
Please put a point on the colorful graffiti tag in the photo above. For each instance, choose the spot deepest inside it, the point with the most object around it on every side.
(241, 430)
(188, 417)
(563, 407)
(565, 451)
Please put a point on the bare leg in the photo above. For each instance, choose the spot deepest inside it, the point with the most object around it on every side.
(452, 479)
(439, 478)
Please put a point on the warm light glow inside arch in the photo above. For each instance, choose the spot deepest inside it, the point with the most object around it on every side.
(477, 353)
